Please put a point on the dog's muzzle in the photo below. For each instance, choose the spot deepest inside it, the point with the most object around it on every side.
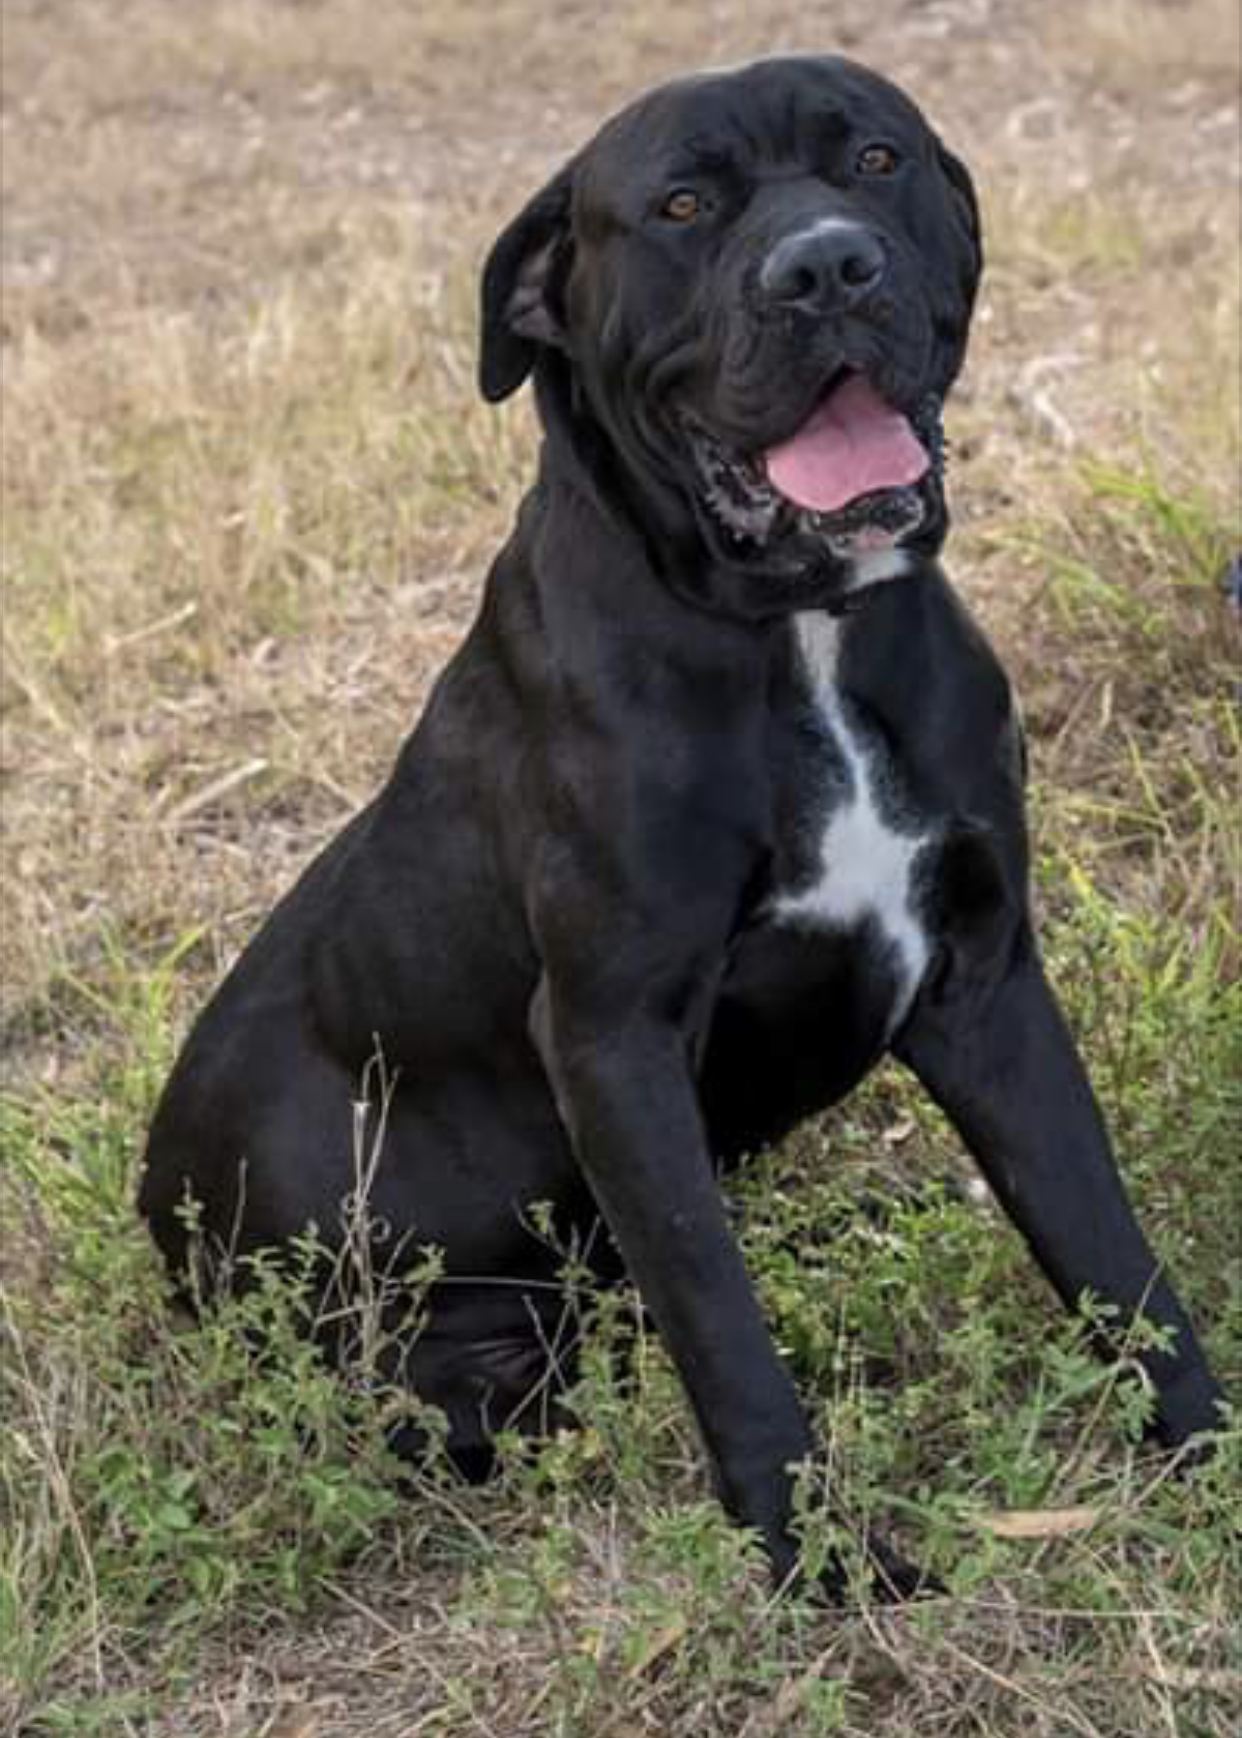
(857, 475)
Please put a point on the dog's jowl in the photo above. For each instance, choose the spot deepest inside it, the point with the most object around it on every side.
(719, 802)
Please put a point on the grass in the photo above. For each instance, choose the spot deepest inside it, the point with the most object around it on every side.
(169, 1492)
(248, 493)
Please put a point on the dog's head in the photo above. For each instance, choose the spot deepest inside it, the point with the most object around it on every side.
(744, 303)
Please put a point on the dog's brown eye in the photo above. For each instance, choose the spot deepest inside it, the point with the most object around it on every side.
(682, 205)
(877, 160)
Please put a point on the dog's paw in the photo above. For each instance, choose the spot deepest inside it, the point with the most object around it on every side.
(1189, 1412)
(884, 1578)
(894, 1580)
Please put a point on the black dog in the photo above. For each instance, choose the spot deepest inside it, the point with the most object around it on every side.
(720, 801)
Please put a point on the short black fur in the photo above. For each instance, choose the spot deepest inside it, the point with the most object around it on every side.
(560, 920)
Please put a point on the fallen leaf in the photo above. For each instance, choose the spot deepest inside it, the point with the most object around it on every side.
(660, 1644)
(1040, 1523)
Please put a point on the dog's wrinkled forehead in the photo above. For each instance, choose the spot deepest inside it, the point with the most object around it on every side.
(601, 259)
(775, 115)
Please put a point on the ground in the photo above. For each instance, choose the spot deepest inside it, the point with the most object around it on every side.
(249, 494)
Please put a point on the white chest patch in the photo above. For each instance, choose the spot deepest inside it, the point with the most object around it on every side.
(866, 853)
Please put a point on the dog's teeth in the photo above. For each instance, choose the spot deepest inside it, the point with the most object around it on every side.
(737, 494)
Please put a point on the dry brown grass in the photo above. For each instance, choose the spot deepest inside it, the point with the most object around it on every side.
(248, 496)
(1189, 47)
(210, 528)
(241, 422)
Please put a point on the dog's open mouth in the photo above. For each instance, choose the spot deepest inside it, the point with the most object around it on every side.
(853, 474)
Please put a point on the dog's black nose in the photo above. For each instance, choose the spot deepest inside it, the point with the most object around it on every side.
(834, 264)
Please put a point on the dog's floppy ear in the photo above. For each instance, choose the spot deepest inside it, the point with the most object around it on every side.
(521, 306)
(965, 198)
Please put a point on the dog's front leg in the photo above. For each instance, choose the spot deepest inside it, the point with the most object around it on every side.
(993, 1050)
(625, 1092)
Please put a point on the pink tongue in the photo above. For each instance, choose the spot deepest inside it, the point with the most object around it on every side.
(853, 443)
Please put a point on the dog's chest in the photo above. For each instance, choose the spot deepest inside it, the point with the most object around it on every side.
(853, 852)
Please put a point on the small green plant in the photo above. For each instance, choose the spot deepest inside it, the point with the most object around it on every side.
(172, 1473)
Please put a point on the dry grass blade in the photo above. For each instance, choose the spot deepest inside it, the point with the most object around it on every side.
(790, 1699)
(1034, 1696)
(216, 788)
(1216, 1680)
